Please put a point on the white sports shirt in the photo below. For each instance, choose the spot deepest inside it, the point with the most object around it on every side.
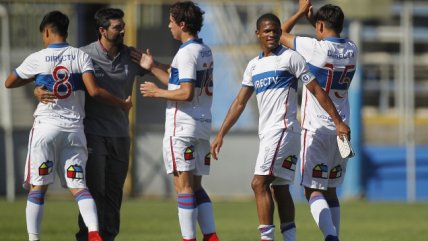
(59, 68)
(192, 63)
(274, 79)
(333, 61)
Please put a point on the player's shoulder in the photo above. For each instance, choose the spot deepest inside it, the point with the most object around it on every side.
(291, 55)
(40, 52)
(305, 41)
(192, 50)
(77, 51)
(351, 43)
(253, 62)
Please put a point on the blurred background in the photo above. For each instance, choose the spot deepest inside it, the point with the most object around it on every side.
(388, 95)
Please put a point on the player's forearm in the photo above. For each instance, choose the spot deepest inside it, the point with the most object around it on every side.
(288, 24)
(179, 94)
(231, 118)
(328, 106)
(105, 97)
(14, 82)
(160, 71)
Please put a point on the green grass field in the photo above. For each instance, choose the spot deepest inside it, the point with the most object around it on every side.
(156, 220)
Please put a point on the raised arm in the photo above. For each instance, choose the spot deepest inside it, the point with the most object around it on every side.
(232, 116)
(287, 39)
(103, 95)
(328, 106)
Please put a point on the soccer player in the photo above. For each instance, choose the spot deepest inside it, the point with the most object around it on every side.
(273, 75)
(57, 142)
(186, 147)
(333, 61)
(106, 126)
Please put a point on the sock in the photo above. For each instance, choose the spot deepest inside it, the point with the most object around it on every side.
(267, 232)
(87, 209)
(288, 231)
(335, 214)
(34, 213)
(205, 213)
(322, 216)
(187, 215)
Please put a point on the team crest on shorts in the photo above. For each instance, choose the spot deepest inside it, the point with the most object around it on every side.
(336, 172)
(207, 159)
(188, 153)
(290, 162)
(320, 171)
(45, 168)
(75, 172)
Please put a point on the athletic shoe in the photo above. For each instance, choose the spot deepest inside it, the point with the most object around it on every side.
(211, 237)
(94, 236)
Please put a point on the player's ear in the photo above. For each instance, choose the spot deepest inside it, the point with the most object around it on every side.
(257, 32)
(182, 25)
(46, 32)
(100, 30)
(321, 26)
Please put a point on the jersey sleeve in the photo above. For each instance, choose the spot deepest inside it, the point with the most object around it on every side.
(247, 78)
(300, 69)
(87, 65)
(29, 68)
(186, 64)
(305, 47)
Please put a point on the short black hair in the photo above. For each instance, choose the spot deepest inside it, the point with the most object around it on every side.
(267, 17)
(102, 17)
(57, 22)
(190, 13)
(332, 16)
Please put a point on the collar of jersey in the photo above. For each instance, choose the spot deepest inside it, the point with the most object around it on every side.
(58, 45)
(277, 51)
(335, 40)
(193, 40)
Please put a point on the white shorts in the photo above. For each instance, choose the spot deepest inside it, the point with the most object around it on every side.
(278, 151)
(186, 154)
(52, 150)
(322, 165)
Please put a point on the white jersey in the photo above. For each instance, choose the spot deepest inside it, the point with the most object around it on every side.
(274, 79)
(192, 63)
(333, 61)
(59, 67)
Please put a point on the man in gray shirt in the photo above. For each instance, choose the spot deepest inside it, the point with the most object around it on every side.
(107, 127)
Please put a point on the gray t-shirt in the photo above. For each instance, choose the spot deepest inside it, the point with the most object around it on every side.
(116, 76)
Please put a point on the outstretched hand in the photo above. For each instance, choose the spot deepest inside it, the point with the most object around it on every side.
(149, 89)
(145, 60)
